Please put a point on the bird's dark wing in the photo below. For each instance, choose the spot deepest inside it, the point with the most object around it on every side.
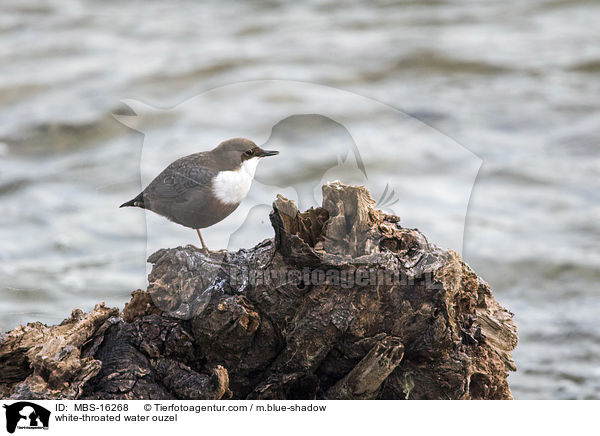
(181, 179)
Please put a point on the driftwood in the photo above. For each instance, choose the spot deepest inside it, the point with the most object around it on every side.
(343, 303)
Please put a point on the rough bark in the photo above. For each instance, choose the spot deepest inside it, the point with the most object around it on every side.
(343, 303)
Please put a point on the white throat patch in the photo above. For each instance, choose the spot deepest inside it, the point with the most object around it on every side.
(231, 187)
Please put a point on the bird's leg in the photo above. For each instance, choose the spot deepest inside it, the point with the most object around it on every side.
(204, 247)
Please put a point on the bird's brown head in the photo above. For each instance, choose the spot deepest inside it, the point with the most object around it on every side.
(237, 150)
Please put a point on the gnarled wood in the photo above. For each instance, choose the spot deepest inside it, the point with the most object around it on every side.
(342, 303)
(365, 379)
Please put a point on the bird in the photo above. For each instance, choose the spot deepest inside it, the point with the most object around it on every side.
(202, 189)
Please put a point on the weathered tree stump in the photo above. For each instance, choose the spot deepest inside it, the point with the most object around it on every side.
(343, 303)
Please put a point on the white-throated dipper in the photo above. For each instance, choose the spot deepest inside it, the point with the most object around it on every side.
(202, 189)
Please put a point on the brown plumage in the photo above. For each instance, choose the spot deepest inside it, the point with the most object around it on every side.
(184, 192)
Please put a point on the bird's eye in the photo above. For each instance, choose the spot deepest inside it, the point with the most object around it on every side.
(248, 153)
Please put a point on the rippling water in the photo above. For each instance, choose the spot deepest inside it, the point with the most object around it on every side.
(515, 83)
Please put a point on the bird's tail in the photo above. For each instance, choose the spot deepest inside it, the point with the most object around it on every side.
(136, 202)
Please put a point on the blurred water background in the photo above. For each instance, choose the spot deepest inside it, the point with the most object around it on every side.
(515, 83)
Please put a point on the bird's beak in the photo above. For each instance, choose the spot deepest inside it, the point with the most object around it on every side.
(266, 153)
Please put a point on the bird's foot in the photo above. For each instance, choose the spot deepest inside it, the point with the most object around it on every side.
(203, 250)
